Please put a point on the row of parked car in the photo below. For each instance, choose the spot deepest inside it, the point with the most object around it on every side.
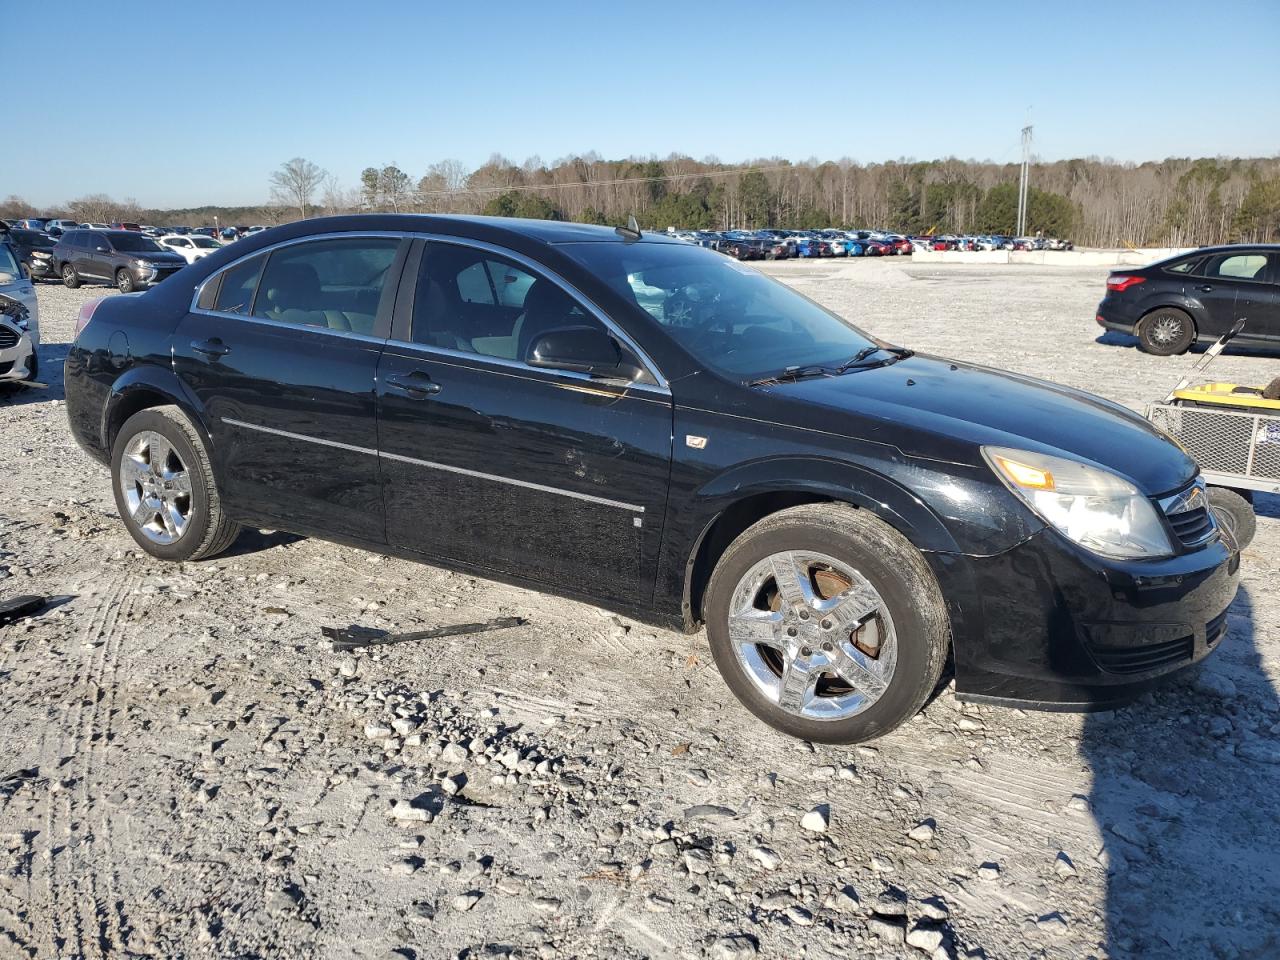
(774, 244)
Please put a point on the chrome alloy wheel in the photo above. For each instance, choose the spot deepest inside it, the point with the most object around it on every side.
(1166, 329)
(813, 634)
(156, 487)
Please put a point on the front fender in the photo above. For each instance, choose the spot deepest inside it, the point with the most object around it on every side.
(834, 479)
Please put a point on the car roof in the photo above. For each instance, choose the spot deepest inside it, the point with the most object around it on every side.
(495, 229)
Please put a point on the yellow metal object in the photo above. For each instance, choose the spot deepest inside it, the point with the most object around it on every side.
(1223, 395)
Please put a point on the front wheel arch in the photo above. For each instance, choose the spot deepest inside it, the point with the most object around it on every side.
(862, 490)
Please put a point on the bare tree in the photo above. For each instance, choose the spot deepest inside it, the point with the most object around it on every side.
(296, 183)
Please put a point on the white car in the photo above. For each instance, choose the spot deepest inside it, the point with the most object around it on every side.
(95, 226)
(19, 321)
(190, 248)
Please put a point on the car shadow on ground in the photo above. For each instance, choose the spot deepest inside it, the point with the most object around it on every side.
(258, 541)
(1184, 788)
(49, 385)
(1113, 338)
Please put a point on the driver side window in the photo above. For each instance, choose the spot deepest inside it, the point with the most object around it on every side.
(474, 301)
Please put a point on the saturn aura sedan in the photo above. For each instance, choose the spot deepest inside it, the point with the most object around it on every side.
(654, 428)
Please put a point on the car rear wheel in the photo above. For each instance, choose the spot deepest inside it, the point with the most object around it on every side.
(1166, 331)
(1234, 512)
(124, 281)
(164, 487)
(827, 623)
(70, 278)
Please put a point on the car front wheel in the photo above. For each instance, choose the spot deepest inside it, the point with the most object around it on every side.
(164, 487)
(124, 281)
(827, 623)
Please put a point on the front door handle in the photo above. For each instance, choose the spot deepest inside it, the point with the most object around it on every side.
(1205, 287)
(213, 349)
(416, 385)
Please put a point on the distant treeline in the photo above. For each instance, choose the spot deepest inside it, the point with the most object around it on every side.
(1179, 202)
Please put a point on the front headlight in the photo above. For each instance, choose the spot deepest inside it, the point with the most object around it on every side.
(1095, 508)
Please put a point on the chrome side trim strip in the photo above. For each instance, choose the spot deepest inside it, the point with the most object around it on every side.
(300, 436)
(603, 501)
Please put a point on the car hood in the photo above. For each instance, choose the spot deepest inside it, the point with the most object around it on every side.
(922, 398)
(166, 257)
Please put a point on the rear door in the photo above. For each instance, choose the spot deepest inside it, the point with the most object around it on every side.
(281, 349)
(1227, 285)
(541, 474)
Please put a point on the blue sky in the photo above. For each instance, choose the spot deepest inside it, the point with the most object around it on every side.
(197, 102)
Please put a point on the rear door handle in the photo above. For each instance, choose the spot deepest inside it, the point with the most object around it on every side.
(1205, 287)
(417, 385)
(213, 349)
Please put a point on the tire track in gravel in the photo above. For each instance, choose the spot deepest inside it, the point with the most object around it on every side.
(96, 734)
(64, 900)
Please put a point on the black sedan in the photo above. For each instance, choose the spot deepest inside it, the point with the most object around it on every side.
(650, 427)
(1170, 305)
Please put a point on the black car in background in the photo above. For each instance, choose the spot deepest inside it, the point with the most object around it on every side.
(1170, 305)
(642, 424)
(35, 250)
(124, 258)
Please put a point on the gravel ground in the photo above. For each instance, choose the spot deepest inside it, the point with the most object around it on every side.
(186, 769)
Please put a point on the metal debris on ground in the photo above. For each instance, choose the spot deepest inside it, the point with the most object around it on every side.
(356, 637)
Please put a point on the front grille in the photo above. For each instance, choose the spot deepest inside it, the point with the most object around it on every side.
(1189, 515)
(1153, 656)
(1193, 526)
(8, 338)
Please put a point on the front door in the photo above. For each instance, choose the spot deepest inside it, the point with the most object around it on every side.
(282, 353)
(539, 474)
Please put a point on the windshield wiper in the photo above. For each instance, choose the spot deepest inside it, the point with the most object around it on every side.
(793, 373)
(858, 360)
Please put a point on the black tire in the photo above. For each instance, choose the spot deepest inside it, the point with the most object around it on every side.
(1233, 511)
(33, 367)
(209, 531)
(124, 281)
(889, 562)
(1166, 331)
(70, 278)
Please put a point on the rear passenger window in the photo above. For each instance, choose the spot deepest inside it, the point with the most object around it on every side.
(1238, 266)
(235, 295)
(1186, 266)
(336, 284)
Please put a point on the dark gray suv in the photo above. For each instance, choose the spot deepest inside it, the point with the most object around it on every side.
(121, 257)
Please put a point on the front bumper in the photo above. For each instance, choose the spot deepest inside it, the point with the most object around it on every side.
(41, 268)
(150, 276)
(15, 361)
(1047, 625)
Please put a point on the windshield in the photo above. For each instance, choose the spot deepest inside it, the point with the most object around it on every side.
(730, 317)
(204, 243)
(133, 243)
(33, 239)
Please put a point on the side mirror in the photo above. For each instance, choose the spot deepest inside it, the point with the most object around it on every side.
(583, 350)
(100, 248)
